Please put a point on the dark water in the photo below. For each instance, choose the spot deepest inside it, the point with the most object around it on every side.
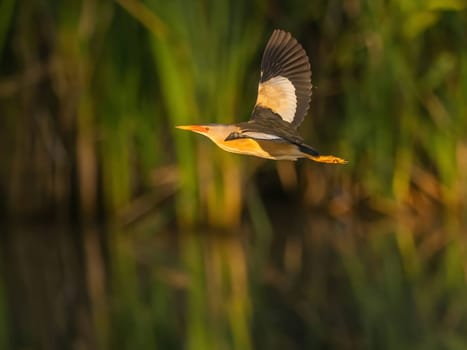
(321, 283)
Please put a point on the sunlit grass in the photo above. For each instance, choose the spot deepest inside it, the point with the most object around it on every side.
(401, 107)
(396, 105)
(202, 61)
(91, 92)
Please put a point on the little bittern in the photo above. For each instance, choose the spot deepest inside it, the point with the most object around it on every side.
(284, 95)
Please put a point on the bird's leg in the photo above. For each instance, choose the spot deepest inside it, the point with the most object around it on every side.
(327, 159)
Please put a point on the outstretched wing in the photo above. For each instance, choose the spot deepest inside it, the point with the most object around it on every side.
(285, 84)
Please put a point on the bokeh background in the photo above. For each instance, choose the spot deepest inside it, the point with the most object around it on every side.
(120, 232)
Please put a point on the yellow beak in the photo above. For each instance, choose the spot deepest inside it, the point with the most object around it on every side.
(195, 128)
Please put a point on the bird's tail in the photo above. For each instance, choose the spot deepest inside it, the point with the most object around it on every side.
(312, 154)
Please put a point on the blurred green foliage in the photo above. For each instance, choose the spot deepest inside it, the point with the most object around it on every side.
(90, 92)
(110, 107)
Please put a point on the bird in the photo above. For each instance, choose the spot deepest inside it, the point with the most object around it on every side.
(284, 95)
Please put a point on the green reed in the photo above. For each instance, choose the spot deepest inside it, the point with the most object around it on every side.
(201, 58)
(402, 83)
(406, 295)
(389, 96)
(89, 103)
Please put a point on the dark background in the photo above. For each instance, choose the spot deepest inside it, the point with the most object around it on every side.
(118, 231)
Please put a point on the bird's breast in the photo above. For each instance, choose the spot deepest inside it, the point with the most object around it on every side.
(261, 148)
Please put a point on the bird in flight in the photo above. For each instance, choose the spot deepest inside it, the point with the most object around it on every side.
(284, 94)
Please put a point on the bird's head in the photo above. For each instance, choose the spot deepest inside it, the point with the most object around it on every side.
(216, 132)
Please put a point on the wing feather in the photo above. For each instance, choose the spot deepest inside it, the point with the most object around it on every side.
(285, 83)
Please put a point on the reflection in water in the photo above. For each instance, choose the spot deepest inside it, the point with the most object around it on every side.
(326, 284)
(46, 289)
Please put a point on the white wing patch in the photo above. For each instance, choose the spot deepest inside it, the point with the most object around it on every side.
(260, 135)
(278, 94)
